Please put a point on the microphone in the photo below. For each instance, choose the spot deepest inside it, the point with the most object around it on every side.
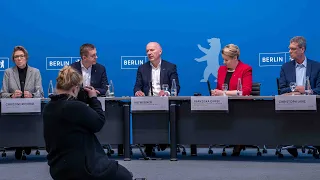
(22, 89)
(151, 90)
(209, 87)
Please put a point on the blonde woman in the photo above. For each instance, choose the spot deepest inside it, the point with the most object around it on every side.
(231, 72)
(228, 76)
(74, 152)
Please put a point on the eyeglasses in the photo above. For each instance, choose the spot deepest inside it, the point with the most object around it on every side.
(19, 56)
(92, 56)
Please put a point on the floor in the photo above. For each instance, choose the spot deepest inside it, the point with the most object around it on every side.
(203, 167)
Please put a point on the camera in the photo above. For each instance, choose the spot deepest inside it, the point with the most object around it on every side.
(83, 95)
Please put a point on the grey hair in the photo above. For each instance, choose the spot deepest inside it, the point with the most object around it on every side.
(300, 40)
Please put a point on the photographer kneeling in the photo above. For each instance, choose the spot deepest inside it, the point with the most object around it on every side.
(74, 151)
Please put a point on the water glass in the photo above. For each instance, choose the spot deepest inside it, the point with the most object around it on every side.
(293, 86)
(37, 92)
(224, 88)
(165, 88)
(108, 91)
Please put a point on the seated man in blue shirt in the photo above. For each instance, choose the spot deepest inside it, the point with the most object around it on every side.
(297, 71)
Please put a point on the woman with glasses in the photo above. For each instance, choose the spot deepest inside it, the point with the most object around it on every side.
(21, 81)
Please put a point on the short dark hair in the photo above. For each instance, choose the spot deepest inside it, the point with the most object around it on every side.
(85, 48)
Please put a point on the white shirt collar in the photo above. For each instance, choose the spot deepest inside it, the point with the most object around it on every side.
(82, 66)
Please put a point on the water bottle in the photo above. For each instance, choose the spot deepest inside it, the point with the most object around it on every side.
(111, 89)
(50, 89)
(174, 88)
(239, 87)
(308, 90)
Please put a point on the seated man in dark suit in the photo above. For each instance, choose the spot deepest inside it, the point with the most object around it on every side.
(93, 74)
(297, 71)
(158, 72)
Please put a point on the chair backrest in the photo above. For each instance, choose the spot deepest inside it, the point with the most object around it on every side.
(255, 89)
(278, 86)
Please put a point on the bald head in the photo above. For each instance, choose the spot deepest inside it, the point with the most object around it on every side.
(154, 44)
(154, 52)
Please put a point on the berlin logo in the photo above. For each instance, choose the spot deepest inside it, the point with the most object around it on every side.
(212, 58)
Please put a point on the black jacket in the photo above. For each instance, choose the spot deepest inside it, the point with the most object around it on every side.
(74, 151)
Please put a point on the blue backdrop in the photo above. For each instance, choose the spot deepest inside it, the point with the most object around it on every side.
(53, 31)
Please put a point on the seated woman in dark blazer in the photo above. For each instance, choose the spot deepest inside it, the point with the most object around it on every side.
(228, 76)
(74, 151)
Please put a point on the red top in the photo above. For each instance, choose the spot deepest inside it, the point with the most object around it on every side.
(242, 71)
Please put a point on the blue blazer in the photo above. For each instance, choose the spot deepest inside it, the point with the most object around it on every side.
(288, 74)
(168, 72)
(99, 78)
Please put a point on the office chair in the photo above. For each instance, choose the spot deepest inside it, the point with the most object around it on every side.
(109, 149)
(193, 147)
(179, 146)
(311, 150)
(254, 92)
(278, 86)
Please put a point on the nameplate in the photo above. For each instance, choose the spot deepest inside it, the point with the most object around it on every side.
(209, 103)
(150, 103)
(103, 102)
(20, 105)
(296, 102)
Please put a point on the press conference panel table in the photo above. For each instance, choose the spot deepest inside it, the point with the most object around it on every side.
(26, 130)
(250, 120)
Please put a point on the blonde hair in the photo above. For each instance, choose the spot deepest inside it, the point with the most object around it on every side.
(231, 50)
(20, 48)
(68, 78)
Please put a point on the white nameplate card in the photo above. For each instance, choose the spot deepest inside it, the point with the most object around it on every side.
(296, 102)
(150, 103)
(20, 105)
(103, 102)
(209, 103)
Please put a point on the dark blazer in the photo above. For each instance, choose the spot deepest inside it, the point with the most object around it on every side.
(99, 79)
(242, 71)
(74, 152)
(288, 74)
(168, 72)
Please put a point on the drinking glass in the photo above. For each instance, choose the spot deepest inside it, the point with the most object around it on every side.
(37, 93)
(293, 86)
(224, 89)
(108, 94)
(165, 88)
